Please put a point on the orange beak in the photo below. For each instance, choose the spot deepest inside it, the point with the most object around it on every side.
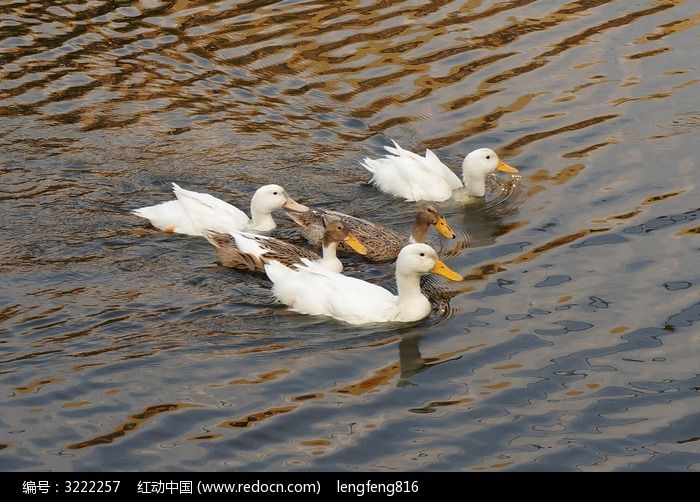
(355, 244)
(444, 228)
(293, 205)
(441, 269)
(505, 168)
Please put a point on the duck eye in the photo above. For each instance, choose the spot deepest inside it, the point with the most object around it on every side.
(488, 156)
(422, 254)
(274, 193)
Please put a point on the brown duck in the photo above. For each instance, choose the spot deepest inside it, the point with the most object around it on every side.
(246, 251)
(382, 244)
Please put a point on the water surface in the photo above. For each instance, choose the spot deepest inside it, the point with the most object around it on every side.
(572, 345)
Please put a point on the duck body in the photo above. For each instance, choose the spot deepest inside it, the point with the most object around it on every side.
(413, 177)
(168, 216)
(311, 289)
(193, 213)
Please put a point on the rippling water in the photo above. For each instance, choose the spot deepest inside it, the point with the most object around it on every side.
(573, 343)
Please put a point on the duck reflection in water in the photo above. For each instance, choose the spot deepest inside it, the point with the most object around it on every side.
(411, 361)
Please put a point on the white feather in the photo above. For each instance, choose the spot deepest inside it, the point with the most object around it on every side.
(314, 290)
(170, 216)
(412, 177)
(206, 212)
(251, 244)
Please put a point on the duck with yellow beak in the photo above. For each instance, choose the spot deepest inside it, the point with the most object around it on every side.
(192, 213)
(412, 177)
(246, 251)
(313, 290)
(382, 243)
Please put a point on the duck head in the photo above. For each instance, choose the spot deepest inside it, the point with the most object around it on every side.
(421, 259)
(336, 231)
(427, 215)
(478, 165)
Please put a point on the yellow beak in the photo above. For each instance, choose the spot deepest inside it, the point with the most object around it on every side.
(505, 168)
(444, 228)
(356, 245)
(441, 269)
(295, 206)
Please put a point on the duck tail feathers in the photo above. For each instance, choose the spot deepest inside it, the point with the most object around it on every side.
(276, 271)
(216, 239)
(367, 164)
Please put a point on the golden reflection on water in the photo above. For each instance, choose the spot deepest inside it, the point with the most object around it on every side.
(257, 417)
(127, 427)
(189, 53)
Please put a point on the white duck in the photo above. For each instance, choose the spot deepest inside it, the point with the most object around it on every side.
(192, 212)
(314, 290)
(408, 175)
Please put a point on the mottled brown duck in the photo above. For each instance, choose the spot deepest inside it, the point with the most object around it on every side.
(246, 251)
(383, 244)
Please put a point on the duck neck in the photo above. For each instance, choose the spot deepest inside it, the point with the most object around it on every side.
(261, 219)
(419, 234)
(411, 300)
(475, 183)
(330, 261)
